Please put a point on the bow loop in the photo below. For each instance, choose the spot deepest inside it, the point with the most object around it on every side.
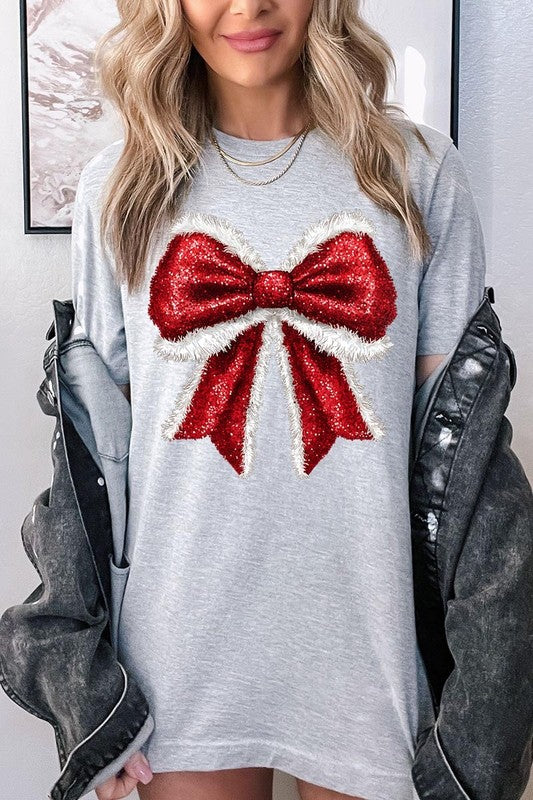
(346, 282)
(198, 283)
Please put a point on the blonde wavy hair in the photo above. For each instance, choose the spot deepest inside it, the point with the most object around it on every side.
(149, 69)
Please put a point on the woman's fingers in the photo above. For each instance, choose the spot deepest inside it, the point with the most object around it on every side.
(116, 787)
(124, 785)
(135, 769)
(138, 767)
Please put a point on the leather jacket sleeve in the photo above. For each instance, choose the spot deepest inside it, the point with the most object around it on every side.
(489, 631)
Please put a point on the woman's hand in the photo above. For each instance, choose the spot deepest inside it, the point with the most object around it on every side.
(135, 770)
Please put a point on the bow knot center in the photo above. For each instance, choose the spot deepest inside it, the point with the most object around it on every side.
(272, 288)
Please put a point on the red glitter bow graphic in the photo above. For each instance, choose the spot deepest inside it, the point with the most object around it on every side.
(329, 304)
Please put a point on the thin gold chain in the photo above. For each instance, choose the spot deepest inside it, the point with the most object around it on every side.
(270, 180)
(244, 163)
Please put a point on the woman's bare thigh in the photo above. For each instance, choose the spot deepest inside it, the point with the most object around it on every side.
(244, 783)
(310, 791)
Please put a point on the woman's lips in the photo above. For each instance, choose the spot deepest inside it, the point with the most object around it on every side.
(252, 45)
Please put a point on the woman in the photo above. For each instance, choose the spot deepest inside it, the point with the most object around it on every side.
(286, 257)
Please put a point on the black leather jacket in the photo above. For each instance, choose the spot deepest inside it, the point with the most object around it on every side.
(472, 526)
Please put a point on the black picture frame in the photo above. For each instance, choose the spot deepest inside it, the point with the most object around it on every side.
(28, 227)
(43, 229)
(455, 53)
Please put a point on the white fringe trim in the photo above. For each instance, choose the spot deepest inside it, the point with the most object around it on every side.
(319, 232)
(233, 239)
(377, 428)
(344, 342)
(174, 420)
(295, 419)
(201, 343)
(254, 407)
(337, 340)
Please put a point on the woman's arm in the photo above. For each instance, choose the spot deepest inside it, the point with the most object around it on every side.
(96, 294)
(125, 389)
(425, 366)
(452, 278)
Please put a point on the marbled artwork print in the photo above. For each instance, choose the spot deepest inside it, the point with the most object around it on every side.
(68, 122)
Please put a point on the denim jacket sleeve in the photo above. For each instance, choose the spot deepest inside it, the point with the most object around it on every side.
(56, 656)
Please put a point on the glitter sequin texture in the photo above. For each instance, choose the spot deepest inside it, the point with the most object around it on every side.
(328, 305)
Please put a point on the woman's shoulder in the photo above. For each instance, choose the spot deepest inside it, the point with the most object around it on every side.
(443, 161)
(96, 170)
(437, 139)
(422, 163)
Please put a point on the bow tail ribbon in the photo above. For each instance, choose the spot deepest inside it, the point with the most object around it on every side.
(215, 402)
(327, 400)
(222, 397)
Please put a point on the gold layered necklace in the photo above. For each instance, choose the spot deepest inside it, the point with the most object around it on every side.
(298, 138)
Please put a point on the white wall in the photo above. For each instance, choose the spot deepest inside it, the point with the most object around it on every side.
(495, 136)
(496, 127)
(33, 270)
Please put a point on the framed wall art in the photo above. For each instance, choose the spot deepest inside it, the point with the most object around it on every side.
(65, 120)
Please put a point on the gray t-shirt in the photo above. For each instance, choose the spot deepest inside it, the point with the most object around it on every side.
(268, 613)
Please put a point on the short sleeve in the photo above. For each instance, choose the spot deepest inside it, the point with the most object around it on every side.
(96, 294)
(453, 277)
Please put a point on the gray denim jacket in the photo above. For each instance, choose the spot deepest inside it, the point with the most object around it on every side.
(472, 526)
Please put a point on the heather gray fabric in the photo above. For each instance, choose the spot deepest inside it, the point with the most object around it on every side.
(269, 619)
